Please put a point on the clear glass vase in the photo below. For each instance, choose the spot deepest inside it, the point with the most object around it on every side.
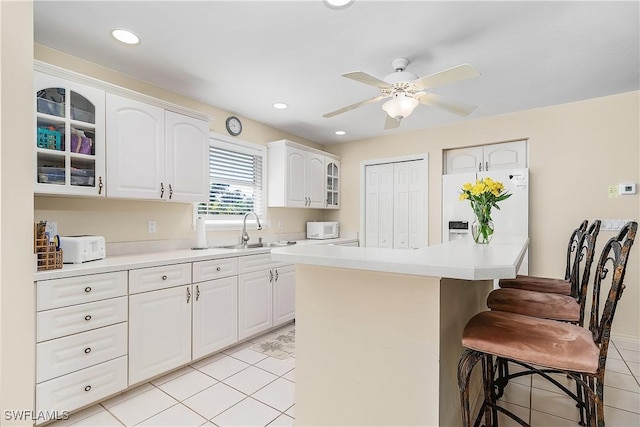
(482, 232)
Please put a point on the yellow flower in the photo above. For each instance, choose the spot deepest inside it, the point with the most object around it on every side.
(464, 196)
(467, 186)
(478, 189)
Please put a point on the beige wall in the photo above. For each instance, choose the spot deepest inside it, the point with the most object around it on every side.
(17, 317)
(126, 221)
(576, 151)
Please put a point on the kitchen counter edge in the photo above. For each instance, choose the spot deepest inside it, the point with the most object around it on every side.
(154, 259)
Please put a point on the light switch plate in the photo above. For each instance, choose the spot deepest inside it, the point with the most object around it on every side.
(625, 188)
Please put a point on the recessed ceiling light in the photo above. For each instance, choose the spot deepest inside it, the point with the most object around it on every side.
(338, 4)
(125, 36)
(340, 132)
(280, 106)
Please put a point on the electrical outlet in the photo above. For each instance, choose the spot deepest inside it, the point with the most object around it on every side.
(151, 226)
(280, 223)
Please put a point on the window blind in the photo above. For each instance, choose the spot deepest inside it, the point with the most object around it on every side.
(236, 182)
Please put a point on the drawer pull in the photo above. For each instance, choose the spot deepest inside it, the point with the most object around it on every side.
(218, 268)
(87, 350)
(87, 317)
(87, 289)
(164, 277)
(87, 388)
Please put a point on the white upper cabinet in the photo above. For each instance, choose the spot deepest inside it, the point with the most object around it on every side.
(506, 155)
(187, 158)
(155, 154)
(135, 151)
(333, 183)
(297, 177)
(69, 137)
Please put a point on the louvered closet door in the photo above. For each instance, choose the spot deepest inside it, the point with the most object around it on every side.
(379, 206)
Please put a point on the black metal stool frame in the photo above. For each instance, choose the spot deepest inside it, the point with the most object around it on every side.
(614, 253)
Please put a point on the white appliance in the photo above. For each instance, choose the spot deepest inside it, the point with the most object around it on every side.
(323, 230)
(512, 219)
(79, 249)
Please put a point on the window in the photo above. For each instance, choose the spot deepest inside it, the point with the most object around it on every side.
(237, 177)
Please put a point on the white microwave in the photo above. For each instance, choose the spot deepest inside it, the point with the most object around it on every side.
(79, 249)
(323, 230)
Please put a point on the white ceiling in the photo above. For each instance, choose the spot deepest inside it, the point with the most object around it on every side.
(242, 56)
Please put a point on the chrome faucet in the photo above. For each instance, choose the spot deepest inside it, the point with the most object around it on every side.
(245, 235)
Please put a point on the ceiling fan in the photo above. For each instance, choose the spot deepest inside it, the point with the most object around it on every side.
(407, 90)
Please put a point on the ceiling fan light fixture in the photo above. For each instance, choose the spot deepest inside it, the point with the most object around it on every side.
(400, 106)
(280, 106)
(340, 132)
(338, 4)
(125, 36)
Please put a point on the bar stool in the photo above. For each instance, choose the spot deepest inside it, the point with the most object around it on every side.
(544, 346)
(550, 305)
(551, 285)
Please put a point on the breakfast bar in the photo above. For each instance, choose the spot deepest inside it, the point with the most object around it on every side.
(378, 330)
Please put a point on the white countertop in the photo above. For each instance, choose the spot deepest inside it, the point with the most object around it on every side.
(153, 259)
(460, 259)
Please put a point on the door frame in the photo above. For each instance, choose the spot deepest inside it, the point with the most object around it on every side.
(363, 185)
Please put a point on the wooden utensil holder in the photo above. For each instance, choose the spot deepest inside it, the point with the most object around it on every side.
(48, 257)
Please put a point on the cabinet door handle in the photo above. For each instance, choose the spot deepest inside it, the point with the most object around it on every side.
(197, 292)
(87, 289)
(277, 275)
(87, 317)
(170, 191)
(161, 190)
(87, 350)
(480, 167)
(486, 166)
(188, 295)
(100, 185)
(270, 275)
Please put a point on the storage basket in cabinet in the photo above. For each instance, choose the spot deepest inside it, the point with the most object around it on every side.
(49, 139)
(48, 255)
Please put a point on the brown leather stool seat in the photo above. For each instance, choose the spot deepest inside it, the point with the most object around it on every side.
(549, 284)
(545, 347)
(553, 305)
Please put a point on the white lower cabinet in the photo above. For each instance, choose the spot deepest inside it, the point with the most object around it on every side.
(215, 315)
(159, 332)
(284, 294)
(266, 294)
(82, 387)
(255, 303)
(81, 350)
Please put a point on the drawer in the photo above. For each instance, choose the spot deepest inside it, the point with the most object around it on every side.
(83, 387)
(80, 318)
(154, 278)
(69, 354)
(214, 269)
(251, 263)
(77, 290)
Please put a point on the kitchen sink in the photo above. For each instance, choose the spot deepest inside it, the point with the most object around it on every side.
(257, 245)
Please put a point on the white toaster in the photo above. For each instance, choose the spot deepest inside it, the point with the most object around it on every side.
(79, 249)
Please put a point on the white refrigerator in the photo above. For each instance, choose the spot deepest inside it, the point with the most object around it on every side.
(512, 219)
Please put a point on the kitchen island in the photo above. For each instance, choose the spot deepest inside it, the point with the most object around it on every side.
(378, 330)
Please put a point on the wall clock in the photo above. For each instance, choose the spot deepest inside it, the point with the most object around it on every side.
(234, 125)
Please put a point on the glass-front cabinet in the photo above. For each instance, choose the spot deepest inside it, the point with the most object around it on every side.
(333, 183)
(69, 137)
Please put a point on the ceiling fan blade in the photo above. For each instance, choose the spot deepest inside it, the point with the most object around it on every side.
(354, 106)
(455, 107)
(365, 78)
(455, 74)
(391, 123)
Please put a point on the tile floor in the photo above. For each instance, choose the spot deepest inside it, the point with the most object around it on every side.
(241, 387)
